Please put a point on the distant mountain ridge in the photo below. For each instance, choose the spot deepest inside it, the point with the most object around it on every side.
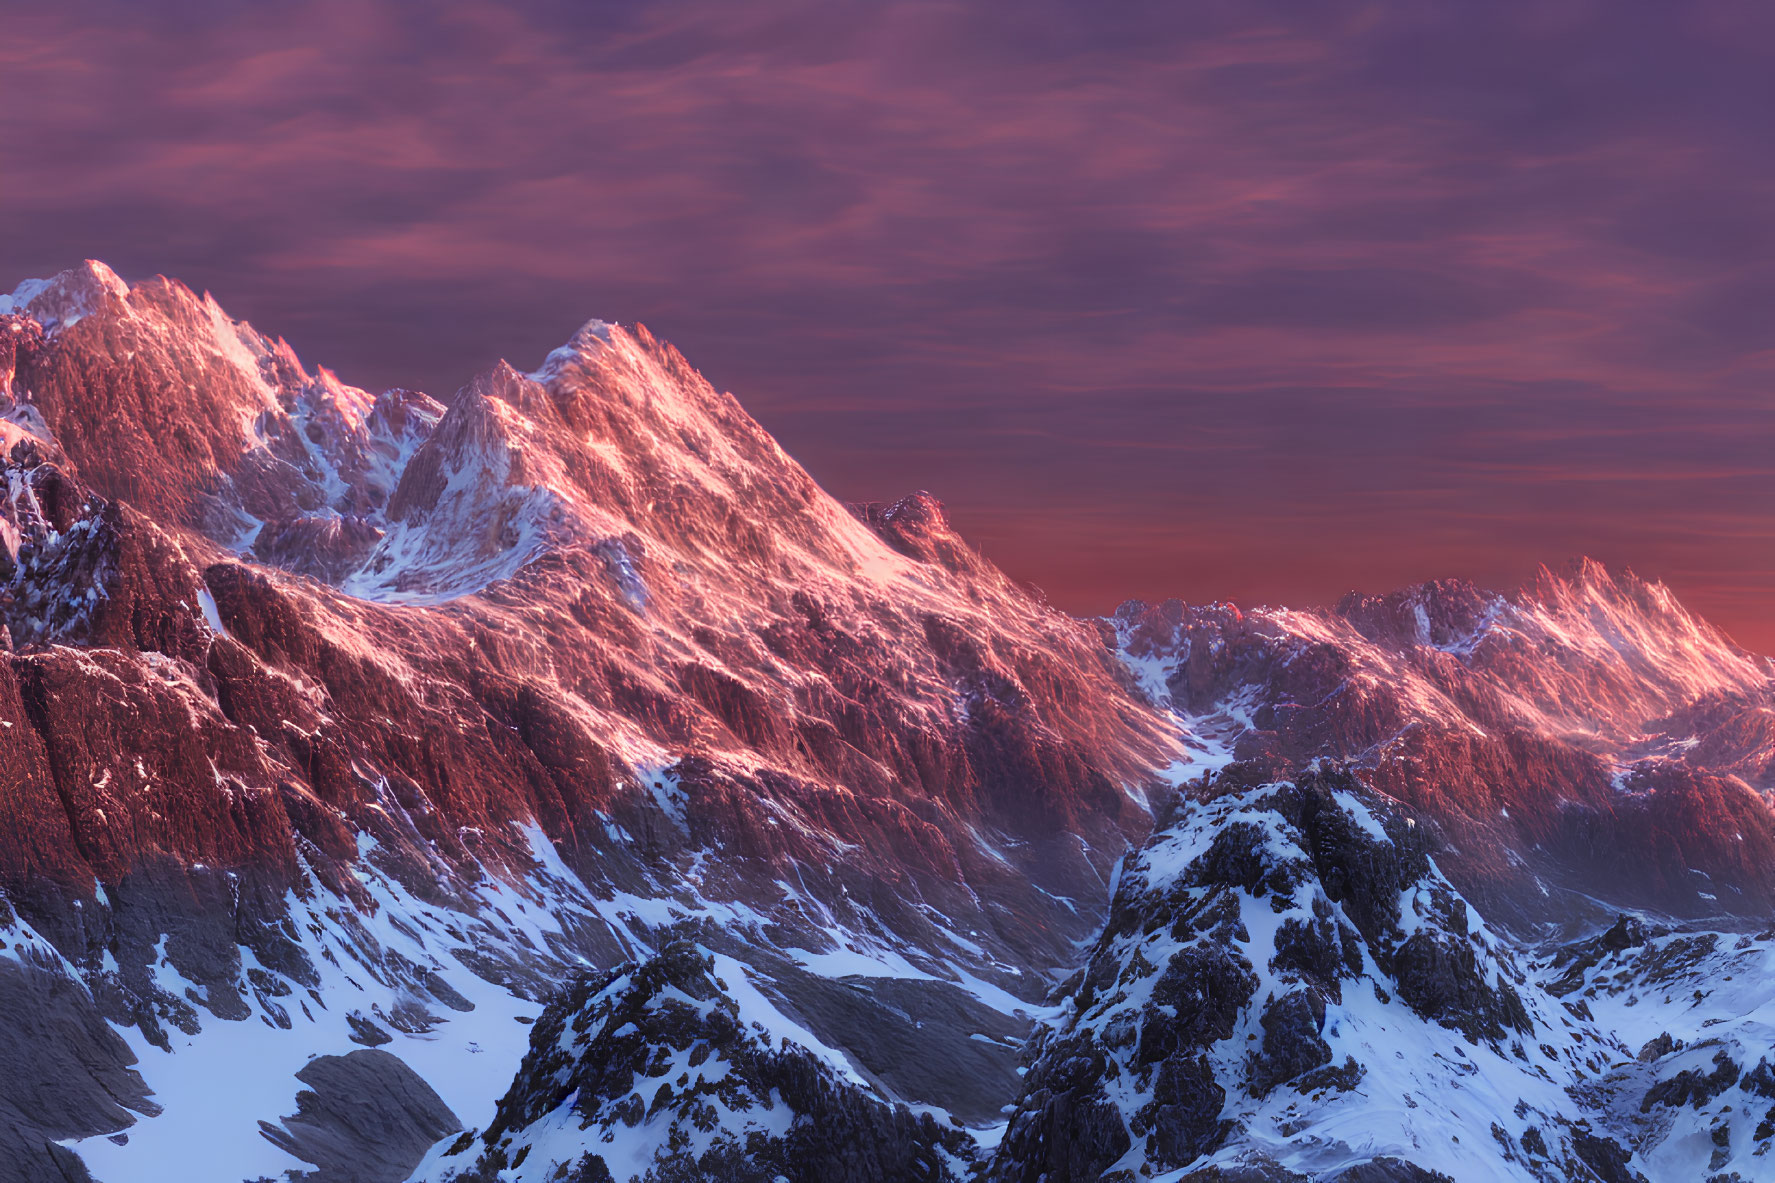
(332, 720)
(1585, 733)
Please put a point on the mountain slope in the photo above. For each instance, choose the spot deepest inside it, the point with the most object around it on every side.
(335, 724)
(1287, 989)
(1583, 739)
(286, 658)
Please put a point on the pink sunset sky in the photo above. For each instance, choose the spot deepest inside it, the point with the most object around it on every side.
(1237, 301)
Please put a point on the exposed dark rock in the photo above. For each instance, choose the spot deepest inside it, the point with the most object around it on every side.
(889, 1026)
(1660, 1045)
(1626, 933)
(1342, 1077)
(1578, 958)
(1440, 978)
(1390, 1170)
(1291, 1042)
(1759, 1080)
(1184, 1115)
(367, 1031)
(1065, 1130)
(1239, 857)
(1694, 1087)
(64, 1073)
(1195, 1002)
(1363, 874)
(366, 1117)
(610, 1041)
(1608, 1158)
(1320, 950)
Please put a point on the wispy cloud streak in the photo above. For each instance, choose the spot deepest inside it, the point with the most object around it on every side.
(1263, 300)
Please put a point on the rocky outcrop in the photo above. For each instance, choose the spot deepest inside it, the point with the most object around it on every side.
(1585, 738)
(64, 1073)
(918, 527)
(677, 1068)
(366, 1117)
(1287, 988)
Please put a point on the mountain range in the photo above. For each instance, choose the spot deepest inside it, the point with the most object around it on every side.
(554, 783)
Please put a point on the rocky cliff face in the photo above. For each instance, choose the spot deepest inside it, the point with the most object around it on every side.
(311, 695)
(334, 722)
(1583, 739)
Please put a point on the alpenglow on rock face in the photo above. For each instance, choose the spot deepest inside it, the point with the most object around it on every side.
(1584, 739)
(334, 720)
(352, 743)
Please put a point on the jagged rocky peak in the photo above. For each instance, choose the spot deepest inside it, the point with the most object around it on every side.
(1288, 990)
(678, 1069)
(1582, 650)
(156, 397)
(620, 487)
(211, 425)
(1445, 613)
(1451, 613)
(1583, 738)
(636, 393)
(68, 297)
(370, 718)
(918, 527)
(1600, 651)
(1266, 954)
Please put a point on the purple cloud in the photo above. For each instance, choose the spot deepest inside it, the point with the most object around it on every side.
(1215, 300)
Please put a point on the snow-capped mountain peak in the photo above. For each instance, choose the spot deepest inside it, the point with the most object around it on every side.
(68, 297)
(525, 677)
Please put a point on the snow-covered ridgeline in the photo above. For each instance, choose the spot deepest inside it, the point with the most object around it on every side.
(1287, 985)
(451, 990)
